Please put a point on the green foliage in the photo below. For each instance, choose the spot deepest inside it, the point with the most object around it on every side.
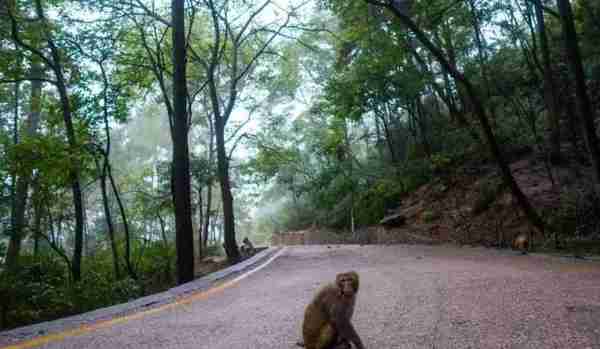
(35, 293)
(415, 174)
(381, 196)
(98, 288)
(41, 290)
(269, 161)
(440, 162)
(282, 79)
(563, 220)
(50, 156)
(156, 267)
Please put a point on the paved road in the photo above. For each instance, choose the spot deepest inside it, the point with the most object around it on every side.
(410, 297)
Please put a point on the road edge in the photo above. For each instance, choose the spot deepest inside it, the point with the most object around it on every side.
(205, 283)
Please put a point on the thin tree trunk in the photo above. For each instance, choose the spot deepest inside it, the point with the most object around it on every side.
(23, 181)
(37, 219)
(583, 101)
(14, 245)
(201, 233)
(208, 213)
(231, 247)
(128, 264)
(55, 63)
(389, 141)
(420, 121)
(181, 163)
(550, 90)
(479, 41)
(108, 218)
(479, 110)
(163, 232)
(104, 173)
(209, 182)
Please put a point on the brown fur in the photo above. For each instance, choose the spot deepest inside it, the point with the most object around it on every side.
(327, 319)
(521, 243)
(247, 248)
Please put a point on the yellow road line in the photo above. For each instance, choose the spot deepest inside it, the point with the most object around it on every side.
(84, 329)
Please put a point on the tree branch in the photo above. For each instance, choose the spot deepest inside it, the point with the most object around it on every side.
(27, 78)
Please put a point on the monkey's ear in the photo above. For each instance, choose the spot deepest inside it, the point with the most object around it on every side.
(355, 280)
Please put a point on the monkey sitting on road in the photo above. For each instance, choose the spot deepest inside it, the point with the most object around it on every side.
(327, 319)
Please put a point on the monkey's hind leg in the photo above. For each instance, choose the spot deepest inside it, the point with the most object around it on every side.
(342, 344)
(327, 338)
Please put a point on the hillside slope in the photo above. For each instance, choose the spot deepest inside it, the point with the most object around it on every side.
(472, 206)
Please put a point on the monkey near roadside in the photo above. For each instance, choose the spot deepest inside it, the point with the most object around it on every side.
(521, 243)
(247, 248)
(327, 319)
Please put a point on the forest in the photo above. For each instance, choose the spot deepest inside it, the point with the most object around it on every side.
(139, 137)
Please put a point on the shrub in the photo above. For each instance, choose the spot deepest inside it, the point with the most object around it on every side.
(372, 205)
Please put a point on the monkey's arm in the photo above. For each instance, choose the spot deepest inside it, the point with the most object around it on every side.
(346, 330)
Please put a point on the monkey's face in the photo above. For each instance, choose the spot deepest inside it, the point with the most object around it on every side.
(347, 283)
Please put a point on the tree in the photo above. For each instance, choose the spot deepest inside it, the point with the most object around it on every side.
(550, 91)
(400, 11)
(181, 159)
(24, 179)
(586, 114)
(55, 63)
(237, 44)
(152, 43)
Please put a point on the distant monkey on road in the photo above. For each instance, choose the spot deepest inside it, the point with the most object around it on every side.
(247, 247)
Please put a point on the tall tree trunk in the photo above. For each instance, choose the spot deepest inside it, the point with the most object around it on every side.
(184, 231)
(479, 110)
(55, 63)
(480, 43)
(208, 212)
(113, 184)
(201, 233)
(14, 245)
(105, 172)
(37, 218)
(583, 101)
(550, 90)
(23, 180)
(108, 217)
(389, 140)
(163, 232)
(209, 182)
(231, 248)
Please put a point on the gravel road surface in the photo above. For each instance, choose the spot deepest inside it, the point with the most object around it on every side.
(410, 297)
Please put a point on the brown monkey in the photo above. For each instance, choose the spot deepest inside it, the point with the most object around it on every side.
(247, 248)
(521, 243)
(327, 319)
